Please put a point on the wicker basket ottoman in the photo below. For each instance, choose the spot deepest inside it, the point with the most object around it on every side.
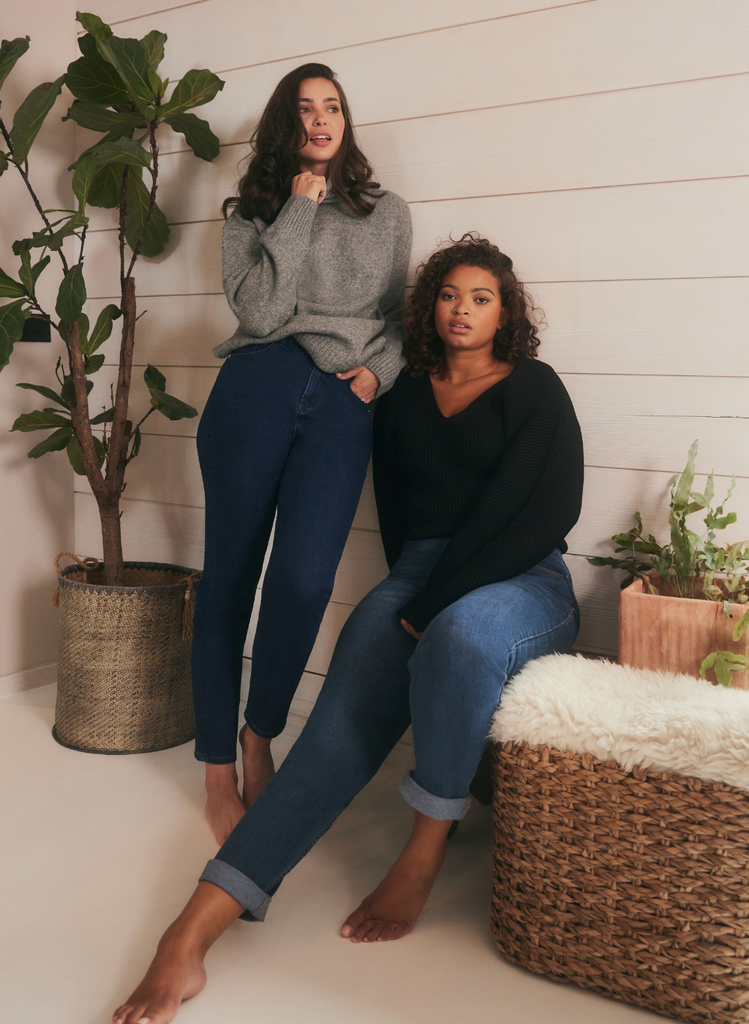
(618, 877)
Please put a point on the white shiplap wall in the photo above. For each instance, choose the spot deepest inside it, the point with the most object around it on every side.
(600, 143)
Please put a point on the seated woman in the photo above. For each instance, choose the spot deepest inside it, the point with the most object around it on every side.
(478, 476)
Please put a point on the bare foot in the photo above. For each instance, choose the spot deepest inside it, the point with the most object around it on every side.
(257, 764)
(176, 973)
(223, 807)
(392, 910)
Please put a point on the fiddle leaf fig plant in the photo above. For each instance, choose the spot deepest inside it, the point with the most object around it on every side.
(692, 565)
(116, 91)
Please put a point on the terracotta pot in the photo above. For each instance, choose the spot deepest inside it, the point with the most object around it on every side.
(675, 634)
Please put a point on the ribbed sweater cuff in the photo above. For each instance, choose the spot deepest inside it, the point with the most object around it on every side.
(386, 365)
(297, 215)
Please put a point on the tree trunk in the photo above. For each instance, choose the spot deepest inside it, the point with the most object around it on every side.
(111, 536)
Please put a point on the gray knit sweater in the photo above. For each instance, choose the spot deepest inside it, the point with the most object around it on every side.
(332, 279)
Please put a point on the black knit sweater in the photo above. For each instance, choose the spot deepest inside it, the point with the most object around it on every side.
(503, 479)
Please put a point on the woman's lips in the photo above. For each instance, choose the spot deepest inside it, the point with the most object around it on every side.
(320, 140)
(459, 328)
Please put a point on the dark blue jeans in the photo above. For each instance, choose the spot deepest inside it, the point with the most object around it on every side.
(448, 685)
(277, 437)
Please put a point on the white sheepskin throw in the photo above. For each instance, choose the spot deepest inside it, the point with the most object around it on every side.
(655, 720)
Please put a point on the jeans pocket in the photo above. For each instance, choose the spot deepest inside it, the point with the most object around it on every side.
(362, 405)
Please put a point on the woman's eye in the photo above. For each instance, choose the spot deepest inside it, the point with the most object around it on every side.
(333, 110)
(481, 299)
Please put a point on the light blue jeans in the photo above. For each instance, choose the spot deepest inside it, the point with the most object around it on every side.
(447, 685)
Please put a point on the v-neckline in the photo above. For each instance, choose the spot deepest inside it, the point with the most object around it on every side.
(473, 401)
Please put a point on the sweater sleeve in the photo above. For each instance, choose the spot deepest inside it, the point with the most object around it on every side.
(529, 505)
(386, 358)
(261, 268)
(389, 483)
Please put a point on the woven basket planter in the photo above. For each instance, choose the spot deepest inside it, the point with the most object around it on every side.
(631, 883)
(123, 683)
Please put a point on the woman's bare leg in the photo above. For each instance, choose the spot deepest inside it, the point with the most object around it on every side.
(176, 972)
(257, 764)
(223, 806)
(392, 910)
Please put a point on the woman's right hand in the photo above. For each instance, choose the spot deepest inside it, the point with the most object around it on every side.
(311, 185)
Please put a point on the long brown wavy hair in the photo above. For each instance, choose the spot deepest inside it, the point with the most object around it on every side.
(274, 157)
(517, 337)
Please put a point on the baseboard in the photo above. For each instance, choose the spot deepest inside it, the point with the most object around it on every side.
(29, 679)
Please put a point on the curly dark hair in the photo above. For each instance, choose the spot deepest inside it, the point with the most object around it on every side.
(517, 337)
(274, 157)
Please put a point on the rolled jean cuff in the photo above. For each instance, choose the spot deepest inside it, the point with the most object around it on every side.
(437, 807)
(240, 887)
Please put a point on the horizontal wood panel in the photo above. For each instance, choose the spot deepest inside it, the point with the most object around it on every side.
(159, 532)
(620, 327)
(225, 29)
(676, 132)
(627, 422)
(556, 51)
(683, 229)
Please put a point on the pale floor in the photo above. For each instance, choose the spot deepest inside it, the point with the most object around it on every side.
(99, 854)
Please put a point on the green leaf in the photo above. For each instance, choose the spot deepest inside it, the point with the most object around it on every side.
(127, 56)
(154, 378)
(103, 417)
(92, 78)
(39, 267)
(30, 116)
(3, 162)
(10, 51)
(153, 47)
(10, 289)
(76, 456)
(54, 443)
(197, 133)
(83, 179)
(72, 295)
(68, 390)
(46, 392)
(171, 407)
(740, 627)
(94, 363)
(12, 319)
(94, 25)
(685, 481)
(131, 60)
(25, 273)
(157, 231)
(83, 326)
(194, 89)
(136, 443)
(106, 186)
(121, 151)
(102, 328)
(723, 663)
(98, 118)
(40, 419)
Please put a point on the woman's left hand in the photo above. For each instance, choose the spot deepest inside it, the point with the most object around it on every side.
(409, 629)
(365, 383)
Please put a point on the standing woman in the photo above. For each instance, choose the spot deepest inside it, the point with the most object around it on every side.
(314, 268)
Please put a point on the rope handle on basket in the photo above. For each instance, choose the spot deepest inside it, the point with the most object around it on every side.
(89, 563)
(188, 612)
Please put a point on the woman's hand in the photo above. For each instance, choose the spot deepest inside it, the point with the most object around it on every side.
(409, 629)
(311, 185)
(365, 383)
